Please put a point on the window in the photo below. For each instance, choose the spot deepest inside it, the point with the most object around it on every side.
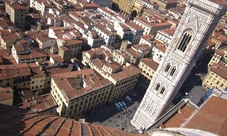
(163, 90)
(185, 41)
(167, 68)
(157, 87)
(172, 71)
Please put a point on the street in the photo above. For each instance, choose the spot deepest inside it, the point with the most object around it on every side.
(192, 87)
(108, 115)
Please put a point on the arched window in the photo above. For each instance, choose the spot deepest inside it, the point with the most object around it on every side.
(157, 87)
(167, 68)
(172, 71)
(187, 36)
(163, 90)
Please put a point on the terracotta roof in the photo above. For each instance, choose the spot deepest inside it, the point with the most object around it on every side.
(107, 10)
(97, 62)
(19, 47)
(11, 37)
(36, 53)
(16, 6)
(73, 42)
(57, 70)
(150, 62)
(142, 48)
(90, 5)
(4, 32)
(221, 51)
(126, 72)
(42, 37)
(70, 82)
(112, 65)
(220, 2)
(148, 37)
(14, 71)
(210, 43)
(125, 27)
(6, 93)
(180, 117)
(160, 46)
(219, 69)
(94, 52)
(135, 26)
(103, 28)
(152, 24)
(170, 31)
(39, 104)
(212, 117)
(7, 59)
(16, 121)
(121, 53)
(56, 57)
(36, 70)
(133, 52)
(219, 36)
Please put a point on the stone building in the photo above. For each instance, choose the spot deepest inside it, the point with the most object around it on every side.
(197, 24)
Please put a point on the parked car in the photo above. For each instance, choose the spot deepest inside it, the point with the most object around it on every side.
(128, 99)
(118, 107)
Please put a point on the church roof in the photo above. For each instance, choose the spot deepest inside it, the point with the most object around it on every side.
(16, 121)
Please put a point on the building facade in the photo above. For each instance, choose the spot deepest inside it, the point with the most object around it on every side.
(152, 24)
(148, 67)
(188, 41)
(17, 13)
(123, 77)
(79, 91)
(216, 76)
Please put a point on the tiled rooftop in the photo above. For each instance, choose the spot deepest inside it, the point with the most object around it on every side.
(152, 24)
(180, 117)
(212, 117)
(219, 69)
(36, 53)
(14, 71)
(6, 93)
(39, 103)
(70, 82)
(135, 26)
(36, 70)
(220, 2)
(149, 62)
(126, 72)
(16, 121)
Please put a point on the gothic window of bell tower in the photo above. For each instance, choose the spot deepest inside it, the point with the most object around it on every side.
(157, 87)
(172, 71)
(187, 36)
(167, 68)
(162, 90)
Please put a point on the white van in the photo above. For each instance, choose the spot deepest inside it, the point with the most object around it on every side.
(124, 104)
(128, 99)
(117, 106)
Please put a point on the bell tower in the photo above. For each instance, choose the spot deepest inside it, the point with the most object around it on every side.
(197, 24)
